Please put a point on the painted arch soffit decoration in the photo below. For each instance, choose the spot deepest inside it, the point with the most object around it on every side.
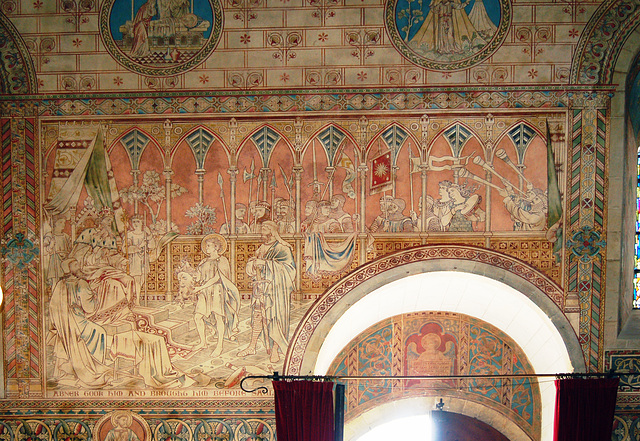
(602, 40)
(163, 37)
(322, 309)
(17, 74)
(422, 31)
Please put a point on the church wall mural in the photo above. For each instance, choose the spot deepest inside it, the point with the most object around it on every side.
(190, 249)
(183, 180)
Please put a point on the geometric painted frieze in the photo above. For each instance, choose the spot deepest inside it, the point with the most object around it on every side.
(160, 38)
(447, 35)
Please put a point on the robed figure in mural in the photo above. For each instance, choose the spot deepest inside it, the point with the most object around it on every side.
(79, 344)
(96, 249)
(140, 45)
(447, 29)
(218, 299)
(273, 271)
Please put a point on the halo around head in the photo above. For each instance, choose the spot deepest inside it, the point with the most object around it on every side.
(215, 237)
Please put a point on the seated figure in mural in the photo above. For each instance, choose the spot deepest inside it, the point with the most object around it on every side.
(273, 272)
(447, 29)
(96, 249)
(241, 226)
(79, 343)
(391, 218)
(86, 340)
(218, 299)
(529, 210)
(56, 248)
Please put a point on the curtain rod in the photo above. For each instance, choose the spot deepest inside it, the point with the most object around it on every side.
(276, 377)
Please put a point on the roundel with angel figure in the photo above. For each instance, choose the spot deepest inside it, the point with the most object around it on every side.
(447, 34)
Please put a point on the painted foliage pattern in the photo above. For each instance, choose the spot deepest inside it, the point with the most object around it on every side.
(440, 344)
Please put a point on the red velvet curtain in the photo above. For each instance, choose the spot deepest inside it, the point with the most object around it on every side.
(584, 409)
(304, 410)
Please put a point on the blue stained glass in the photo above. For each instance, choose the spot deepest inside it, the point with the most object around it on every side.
(636, 269)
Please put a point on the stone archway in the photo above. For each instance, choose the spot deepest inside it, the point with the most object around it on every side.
(389, 286)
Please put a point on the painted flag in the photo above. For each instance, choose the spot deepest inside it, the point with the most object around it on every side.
(347, 185)
(381, 173)
(415, 165)
(553, 191)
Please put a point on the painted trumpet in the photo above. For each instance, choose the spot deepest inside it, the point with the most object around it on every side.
(503, 155)
(464, 173)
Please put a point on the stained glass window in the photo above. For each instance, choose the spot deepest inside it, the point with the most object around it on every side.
(636, 268)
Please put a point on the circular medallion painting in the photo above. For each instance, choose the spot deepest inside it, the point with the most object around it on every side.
(447, 34)
(160, 37)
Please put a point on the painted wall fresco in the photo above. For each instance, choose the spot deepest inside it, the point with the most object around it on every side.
(442, 344)
(182, 254)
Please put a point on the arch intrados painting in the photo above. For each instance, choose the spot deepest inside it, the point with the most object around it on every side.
(507, 294)
(439, 343)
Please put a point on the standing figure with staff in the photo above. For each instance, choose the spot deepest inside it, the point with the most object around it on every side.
(139, 243)
(273, 271)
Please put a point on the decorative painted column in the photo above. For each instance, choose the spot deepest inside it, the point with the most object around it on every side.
(233, 236)
(297, 173)
(363, 129)
(20, 256)
(424, 173)
(585, 221)
(167, 172)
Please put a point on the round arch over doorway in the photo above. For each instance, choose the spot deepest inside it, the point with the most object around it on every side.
(453, 278)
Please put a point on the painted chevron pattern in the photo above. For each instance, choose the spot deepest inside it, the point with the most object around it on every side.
(10, 322)
(7, 218)
(600, 168)
(574, 192)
